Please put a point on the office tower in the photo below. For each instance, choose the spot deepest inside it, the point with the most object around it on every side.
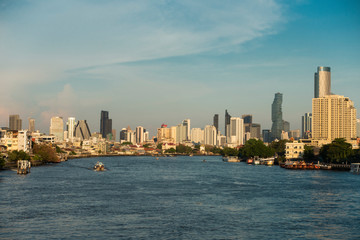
(186, 123)
(81, 130)
(123, 135)
(15, 123)
(306, 122)
(227, 123)
(266, 135)
(181, 133)
(210, 135)
(57, 128)
(358, 128)
(105, 124)
(286, 126)
(113, 132)
(70, 127)
(216, 122)
(236, 131)
(295, 134)
(139, 135)
(197, 135)
(31, 125)
(333, 116)
(255, 130)
(276, 117)
(247, 118)
(322, 79)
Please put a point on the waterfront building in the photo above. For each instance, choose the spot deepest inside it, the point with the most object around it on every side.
(216, 122)
(197, 135)
(181, 133)
(82, 131)
(236, 131)
(322, 82)
(70, 128)
(105, 124)
(10, 140)
(276, 117)
(24, 140)
(139, 135)
(266, 135)
(15, 123)
(57, 128)
(306, 122)
(186, 123)
(210, 135)
(334, 116)
(294, 150)
(227, 123)
(31, 125)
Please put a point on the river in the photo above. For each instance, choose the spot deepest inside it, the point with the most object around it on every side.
(177, 198)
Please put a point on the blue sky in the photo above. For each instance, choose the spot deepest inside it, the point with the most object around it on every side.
(154, 62)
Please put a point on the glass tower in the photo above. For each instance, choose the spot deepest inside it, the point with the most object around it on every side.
(276, 117)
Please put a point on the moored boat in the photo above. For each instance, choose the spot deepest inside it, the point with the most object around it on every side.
(231, 159)
(250, 161)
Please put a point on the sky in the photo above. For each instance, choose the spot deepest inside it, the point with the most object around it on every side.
(153, 62)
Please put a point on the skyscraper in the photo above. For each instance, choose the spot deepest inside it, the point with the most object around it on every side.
(276, 117)
(216, 122)
(322, 82)
(227, 123)
(358, 128)
(247, 118)
(70, 126)
(123, 135)
(210, 135)
(186, 123)
(139, 134)
(31, 125)
(105, 124)
(57, 128)
(333, 116)
(15, 123)
(236, 131)
(306, 122)
(81, 130)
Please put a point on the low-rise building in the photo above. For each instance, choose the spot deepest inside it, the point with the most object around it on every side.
(294, 150)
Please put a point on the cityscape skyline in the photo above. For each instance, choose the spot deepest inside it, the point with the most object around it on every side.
(223, 62)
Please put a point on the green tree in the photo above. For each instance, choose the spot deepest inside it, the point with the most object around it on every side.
(254, 147)
(171, 150)
(146, 145)
(279, 147)
(227, 151)
(46, 152)
(183, 149)
(337, 151)
(159, 146)
(15, 155)
(126, 143)
(309, 155)
(2, 162)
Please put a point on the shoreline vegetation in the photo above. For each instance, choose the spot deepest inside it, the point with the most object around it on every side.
(338, 154)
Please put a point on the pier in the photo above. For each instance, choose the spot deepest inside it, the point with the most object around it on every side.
(23, 167)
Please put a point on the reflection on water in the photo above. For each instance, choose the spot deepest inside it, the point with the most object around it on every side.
(177, 198)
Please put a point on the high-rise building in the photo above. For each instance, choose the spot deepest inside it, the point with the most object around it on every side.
(322, 82)
(81, 130)
(358, 128)
(123, 135)
(247, 118)
(210, 135)
(70, 127)
(255, 130)
(276, 117)
(295, 134)
(186, 123)
(15, 123)
(139, 135)
(105, 124)
(266, 135)
(286, 126)
(31, 125)
(333, 116)
(197, 135)
(216, 122)
(57, 128)
(306, 122)
(227, 123)
(236, 131)
(181, 133)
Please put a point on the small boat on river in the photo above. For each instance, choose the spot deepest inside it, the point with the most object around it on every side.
(99, 166)
(231, 159)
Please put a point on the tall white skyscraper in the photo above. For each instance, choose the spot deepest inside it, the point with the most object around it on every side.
(71, 128)
(197, 135)
(322, 79)
(181, 133)
(139, 134)
(31, 125)
(210, 135)
(236, 131)
(57, 128)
